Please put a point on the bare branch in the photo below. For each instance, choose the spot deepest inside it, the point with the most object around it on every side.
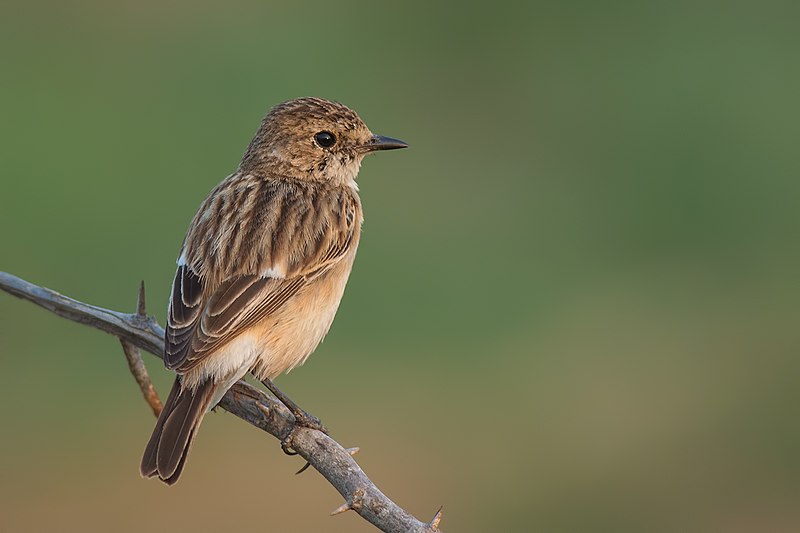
(250, 404)
(139, 371)
(136, 364)
(142, 332)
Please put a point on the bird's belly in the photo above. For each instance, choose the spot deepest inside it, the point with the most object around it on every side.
(292, 334)
(227, 365)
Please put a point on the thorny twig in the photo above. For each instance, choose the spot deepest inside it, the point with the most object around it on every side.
(252, 405)
(136, 364)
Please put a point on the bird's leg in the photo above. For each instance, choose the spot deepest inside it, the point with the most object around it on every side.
(302, 418)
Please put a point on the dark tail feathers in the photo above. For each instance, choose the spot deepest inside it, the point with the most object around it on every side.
(175, 430)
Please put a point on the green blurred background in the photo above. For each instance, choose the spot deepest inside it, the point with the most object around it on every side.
(575, 303)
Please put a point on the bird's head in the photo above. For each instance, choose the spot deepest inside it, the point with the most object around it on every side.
(313, 139)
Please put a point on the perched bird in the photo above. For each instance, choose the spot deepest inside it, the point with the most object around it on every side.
(263, 265)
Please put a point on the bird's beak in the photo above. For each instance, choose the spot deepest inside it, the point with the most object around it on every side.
(379, 142)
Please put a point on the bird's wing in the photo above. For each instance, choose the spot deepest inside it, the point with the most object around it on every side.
(202, 318)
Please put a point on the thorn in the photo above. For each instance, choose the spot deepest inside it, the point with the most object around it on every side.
(434, 523)
(342, 509)
(140, 304)
(305, 467)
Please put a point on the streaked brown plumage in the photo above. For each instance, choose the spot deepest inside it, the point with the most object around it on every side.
(263, 266)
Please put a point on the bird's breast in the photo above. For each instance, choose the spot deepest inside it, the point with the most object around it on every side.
(291, 335)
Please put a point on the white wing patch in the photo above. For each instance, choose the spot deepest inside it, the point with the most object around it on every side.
(273, 272)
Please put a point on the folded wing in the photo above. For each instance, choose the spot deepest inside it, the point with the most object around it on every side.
(203, 318)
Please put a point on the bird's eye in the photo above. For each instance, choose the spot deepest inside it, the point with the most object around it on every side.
(325, 139)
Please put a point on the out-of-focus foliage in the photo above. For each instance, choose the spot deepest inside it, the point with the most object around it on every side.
(575, 304)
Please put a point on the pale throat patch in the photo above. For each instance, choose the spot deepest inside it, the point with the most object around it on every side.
(344, 173)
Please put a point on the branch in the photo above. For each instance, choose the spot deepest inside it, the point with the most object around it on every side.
(250, 404)
(139, 371)
(136, 365)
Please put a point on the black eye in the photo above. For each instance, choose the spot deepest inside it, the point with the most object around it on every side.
(325, 139)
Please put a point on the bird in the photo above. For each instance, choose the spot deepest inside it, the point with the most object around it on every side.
(263, 266)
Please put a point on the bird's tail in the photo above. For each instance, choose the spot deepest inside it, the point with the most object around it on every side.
(175, 430)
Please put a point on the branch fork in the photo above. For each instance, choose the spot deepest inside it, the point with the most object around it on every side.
(139, 332)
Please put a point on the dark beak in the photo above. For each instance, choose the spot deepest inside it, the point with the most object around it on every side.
(379, 142)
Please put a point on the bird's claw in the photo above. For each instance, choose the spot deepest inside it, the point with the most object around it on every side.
(286, 446)
(303, 419)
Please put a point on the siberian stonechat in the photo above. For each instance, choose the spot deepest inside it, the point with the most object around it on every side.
(263, 266)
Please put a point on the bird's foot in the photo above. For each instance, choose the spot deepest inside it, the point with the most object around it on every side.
(301, 417)
(306, 420)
